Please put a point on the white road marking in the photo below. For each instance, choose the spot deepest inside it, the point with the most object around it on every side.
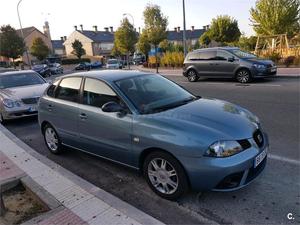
(284, 159)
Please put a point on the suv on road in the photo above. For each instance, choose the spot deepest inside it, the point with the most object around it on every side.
(226, 62)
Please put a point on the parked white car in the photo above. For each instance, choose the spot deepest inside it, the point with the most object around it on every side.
(113, 64)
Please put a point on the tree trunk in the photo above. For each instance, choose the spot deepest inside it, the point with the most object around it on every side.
(156, 58)
(128, 60)
(14, 63)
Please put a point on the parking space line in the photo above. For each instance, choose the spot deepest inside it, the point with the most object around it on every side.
(284, 159)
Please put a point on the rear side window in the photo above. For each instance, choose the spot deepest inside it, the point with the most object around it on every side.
(208, 55)
(68, 89)
(97, 93)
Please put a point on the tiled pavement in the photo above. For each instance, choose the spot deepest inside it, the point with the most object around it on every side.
(80, 201)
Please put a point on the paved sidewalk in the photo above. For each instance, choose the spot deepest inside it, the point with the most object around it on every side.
(78, 201)
(281, 72)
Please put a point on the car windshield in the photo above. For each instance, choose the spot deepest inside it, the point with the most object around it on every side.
(154, 93)
(18, 80)
(243, 54)
(112, 61)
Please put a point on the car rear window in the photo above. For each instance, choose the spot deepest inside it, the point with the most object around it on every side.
(203, 55)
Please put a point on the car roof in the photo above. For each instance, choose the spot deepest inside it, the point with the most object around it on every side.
(109, 75)
(17, 72)
(215, 48)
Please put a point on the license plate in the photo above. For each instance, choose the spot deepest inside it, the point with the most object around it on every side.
(258, 159)
(32, 109)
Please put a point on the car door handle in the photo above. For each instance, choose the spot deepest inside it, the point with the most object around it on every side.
(49, 107)
(83, 116)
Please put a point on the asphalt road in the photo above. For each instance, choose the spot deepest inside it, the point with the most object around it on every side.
(268, 200)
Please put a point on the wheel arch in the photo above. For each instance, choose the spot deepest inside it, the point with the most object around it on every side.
(242, 68)
(147, 151)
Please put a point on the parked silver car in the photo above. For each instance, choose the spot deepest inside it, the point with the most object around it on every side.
(19, 94)
(113, 64)
(149, 123)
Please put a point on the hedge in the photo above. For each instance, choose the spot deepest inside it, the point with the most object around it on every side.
(74, 61)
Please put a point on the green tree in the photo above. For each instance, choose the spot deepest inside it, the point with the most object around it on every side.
(247, 43)
(271, 17)
(78, 50)
(39, 49)
(125, 39)
(155, 26)
(143, 44)
(205, 39)
(224, 29)
(11, 45)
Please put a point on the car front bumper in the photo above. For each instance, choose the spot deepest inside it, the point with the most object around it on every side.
(268, 72)
(224, 174)
(19, 112)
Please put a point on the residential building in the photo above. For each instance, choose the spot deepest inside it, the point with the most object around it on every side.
(95, 43)
(30, 34)
(192, 36)
(58, 47)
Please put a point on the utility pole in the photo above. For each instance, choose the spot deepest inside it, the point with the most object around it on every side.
(184, 29)
(27, 56)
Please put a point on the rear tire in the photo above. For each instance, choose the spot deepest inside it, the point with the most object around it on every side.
(52, 139)
(165, 175)
(243, 76)
(192, 75)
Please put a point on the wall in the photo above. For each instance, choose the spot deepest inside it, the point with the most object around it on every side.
(86, 43)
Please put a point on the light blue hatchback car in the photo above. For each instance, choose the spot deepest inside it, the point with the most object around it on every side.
(147, 122)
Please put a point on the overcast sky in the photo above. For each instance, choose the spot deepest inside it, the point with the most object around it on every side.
(64, 14)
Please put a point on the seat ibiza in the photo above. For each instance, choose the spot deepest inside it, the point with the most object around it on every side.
(147, 122)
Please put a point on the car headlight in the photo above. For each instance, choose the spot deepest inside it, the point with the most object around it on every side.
(223, 149)
(259, 66)
(11, 103)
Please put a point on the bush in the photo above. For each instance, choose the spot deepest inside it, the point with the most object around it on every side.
(172, 59)
(289, 60)
(274, 56)
(297, 61)
(74, 61)
(152, 61)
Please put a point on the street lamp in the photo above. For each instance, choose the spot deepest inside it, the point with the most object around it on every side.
(128, 14)
(27, 56)
(184, 29)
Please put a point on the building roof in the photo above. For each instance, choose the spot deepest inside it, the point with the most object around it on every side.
(57, 44)
(27, 31)
(178, 36)
(99, 36)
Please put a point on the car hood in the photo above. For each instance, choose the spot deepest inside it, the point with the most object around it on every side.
(18, 93)
(211, 119)
(261, 61)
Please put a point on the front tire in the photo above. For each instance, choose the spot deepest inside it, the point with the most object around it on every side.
(52, 139)
(192, 76)
(165, 175)
(2, 121)
(243, 76)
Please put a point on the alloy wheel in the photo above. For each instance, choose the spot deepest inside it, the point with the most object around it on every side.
(163, 176)
(243, 76)
(192, 76)
(51, 139)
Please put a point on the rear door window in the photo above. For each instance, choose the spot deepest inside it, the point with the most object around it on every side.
(209, 55)
(69, 88)
(222, 55)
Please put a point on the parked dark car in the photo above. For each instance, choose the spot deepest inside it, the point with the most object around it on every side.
(42, 69)
(83, 66)
(56, 68)
(149, 123)
(96, 64)
(226, 62)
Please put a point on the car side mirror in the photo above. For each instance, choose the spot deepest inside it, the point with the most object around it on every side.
(112, 107)
(231, 59)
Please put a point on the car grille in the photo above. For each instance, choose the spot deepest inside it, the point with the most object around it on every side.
(29, 101)
(258, 138)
